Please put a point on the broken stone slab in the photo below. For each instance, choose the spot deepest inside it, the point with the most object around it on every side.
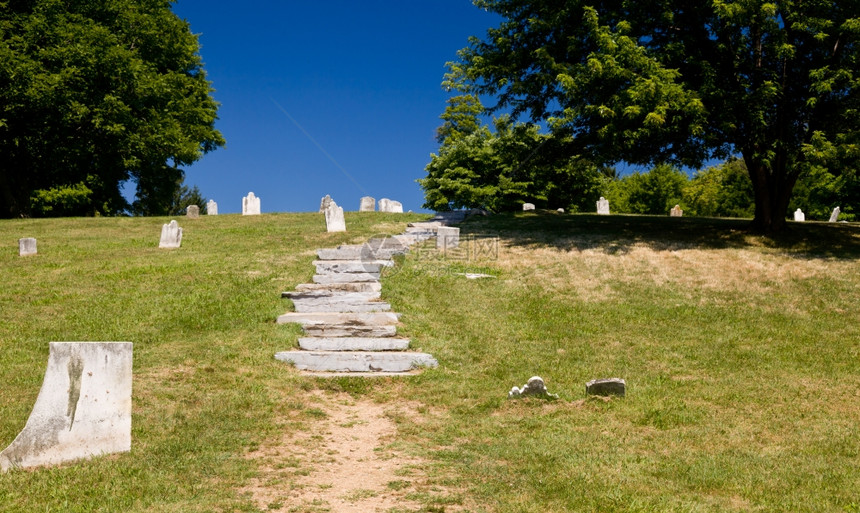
(171, 236)
(606, 387)
(27, 246)
(334, 220)
(535, 387)
(353, 344)
(83, 408)
(356, 361)
(348, 330)
(351, 266)
(356, 319)
(345, 277)
(314, 306)
(362, 286)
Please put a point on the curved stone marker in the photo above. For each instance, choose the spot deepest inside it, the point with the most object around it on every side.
(83, 408)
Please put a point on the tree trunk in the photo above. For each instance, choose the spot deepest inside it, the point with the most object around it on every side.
(772, 188)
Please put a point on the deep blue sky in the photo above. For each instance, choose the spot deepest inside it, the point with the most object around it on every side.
(360, 80)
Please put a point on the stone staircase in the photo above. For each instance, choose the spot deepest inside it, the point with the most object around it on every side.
(348, 328)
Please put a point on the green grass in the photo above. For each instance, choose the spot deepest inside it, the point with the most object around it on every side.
(741, 355)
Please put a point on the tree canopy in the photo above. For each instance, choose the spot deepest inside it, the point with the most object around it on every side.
(93, 94)
(653, 81)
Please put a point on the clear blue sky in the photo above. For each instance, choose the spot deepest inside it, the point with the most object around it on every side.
(360, 80)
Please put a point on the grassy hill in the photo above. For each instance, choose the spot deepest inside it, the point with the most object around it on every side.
(741, 354)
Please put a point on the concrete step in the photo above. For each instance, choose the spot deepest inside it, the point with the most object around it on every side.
(351, 266)
(346, 330)
(315, 306)
(366, 286)
(353, 344)
(344, 319)
(356, 361)
(345, 278)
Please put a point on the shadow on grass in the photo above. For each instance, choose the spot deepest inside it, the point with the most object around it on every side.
(617, 234)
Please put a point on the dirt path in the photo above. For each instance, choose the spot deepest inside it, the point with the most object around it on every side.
(346, 466)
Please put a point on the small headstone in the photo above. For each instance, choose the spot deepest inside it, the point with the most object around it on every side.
(368, 204)
(192, 211)
(334, 221)
(676, 211)
(324, 203)
(447, 237)
(799, 216)
(603, 206)
(26, 246)
(835, 215)
(250, 205)
(606, 387)
(560, 211)
(391, 206)
(212, 208)
(528, 206)
(534, 388)
(171, 236)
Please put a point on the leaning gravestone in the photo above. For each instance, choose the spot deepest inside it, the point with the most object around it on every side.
(83, 408)
(250, 205)
(324, 203)
(192, 211)
(528, 206)
(334, 221)
(676, 211)
(603, 206)
(835, 215)
(171, 235)
(212, 208)
(368, 204)
(26, 246)
(799, 216)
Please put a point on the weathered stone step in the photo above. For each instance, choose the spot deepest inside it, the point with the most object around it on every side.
(345, 278)
(353, 344)
(351, 266)
(365, 286)
(425, 225)
(351, 319)
(363, 252)
(316, 306)
(348, 330)
(355, 361)
(333, 295)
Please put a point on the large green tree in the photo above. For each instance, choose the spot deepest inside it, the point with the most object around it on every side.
(94, 93)
(651, 81)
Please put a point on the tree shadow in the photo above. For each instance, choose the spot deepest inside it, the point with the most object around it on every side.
(618, 234)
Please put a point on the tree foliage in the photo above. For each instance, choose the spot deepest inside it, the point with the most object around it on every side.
(93, 94)
(723, 190)
(503, 167)
(654, 192)
(651, 81)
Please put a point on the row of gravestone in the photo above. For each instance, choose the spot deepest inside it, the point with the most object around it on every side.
(800, 217)
(602, 207)
(368, 204)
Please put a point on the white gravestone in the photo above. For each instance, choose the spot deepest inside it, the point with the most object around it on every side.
(603, 206)
(835, 215)
(368, 204)
(334, 221)
(447, 237)
(192, 211)
(391, 206)
(83, 409)
(212, 208)
(26, 246)
(528, 206)
(324, 203)
(250, 205)
(171, 235)
(799, 216)
(676, 211)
